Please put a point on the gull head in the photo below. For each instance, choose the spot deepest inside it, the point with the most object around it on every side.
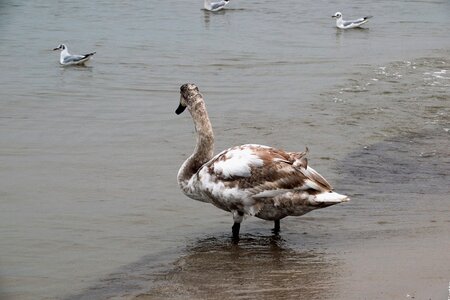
(60, 47)
(189, 95)
(337, 15)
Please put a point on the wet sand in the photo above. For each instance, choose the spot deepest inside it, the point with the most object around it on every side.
(414, 267)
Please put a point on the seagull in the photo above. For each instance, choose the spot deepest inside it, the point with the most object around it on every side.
(340, 23)
(215, 6)
(67, 59)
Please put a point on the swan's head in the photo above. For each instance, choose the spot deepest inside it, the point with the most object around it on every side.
(188, 96)
(60, 47)
(337, 15)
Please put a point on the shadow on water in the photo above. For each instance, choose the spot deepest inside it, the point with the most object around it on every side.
(258, 267)
(261, 267)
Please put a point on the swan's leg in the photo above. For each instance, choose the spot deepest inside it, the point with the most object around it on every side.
(235, 230)
(238, 216)
(276, 228)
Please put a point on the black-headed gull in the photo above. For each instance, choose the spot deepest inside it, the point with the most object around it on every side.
(68, 59)
(215, 6)
(340, 23)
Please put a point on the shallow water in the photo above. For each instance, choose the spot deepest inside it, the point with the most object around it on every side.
(89, 204)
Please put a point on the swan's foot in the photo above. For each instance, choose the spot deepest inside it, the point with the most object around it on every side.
(235, 230)
(276, 227)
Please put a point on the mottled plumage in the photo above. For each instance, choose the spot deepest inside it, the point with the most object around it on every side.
(249, 179)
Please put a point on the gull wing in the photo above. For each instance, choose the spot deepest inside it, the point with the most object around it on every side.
(72, 59)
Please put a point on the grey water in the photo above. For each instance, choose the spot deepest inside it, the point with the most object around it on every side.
(89, 204)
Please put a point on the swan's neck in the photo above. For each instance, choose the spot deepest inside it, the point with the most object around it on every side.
(204, 149)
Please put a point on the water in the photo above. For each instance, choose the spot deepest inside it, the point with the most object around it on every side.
(89, 204)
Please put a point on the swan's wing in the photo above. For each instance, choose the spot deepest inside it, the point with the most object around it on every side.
(248, 177)
(265, 172)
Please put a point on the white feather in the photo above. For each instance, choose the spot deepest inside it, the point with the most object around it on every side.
(309, 184)
(238, 163)
(332, 197)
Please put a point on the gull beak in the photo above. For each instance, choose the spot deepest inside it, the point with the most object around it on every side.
(333, 16)
(55, 49)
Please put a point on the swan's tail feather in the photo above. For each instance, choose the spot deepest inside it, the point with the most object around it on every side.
(315, 176)
(331, 197)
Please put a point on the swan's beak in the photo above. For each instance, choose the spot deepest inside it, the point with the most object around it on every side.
(180, 109)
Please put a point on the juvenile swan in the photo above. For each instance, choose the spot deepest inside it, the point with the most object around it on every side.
(253, 180)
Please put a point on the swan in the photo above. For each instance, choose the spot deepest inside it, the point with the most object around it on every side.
(67, 59)
(249, 180)
(215, 6)
(340, 23)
